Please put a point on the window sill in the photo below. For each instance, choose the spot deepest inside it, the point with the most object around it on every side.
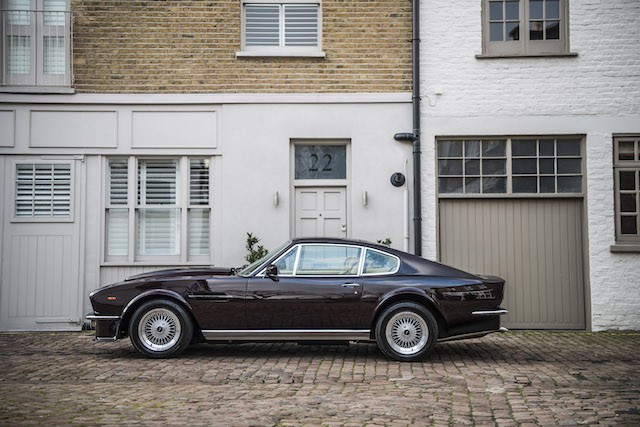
(625, 247)
(283, 54)
(526, 55)
(38, 89)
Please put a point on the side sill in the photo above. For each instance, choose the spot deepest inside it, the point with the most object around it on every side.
(470, 335)
(287, 334)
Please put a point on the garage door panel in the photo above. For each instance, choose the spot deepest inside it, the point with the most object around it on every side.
(535, 244)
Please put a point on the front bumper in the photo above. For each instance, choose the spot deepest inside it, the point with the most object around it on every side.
(106, 326)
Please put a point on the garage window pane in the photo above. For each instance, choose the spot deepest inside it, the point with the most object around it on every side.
(450, 149)
(450, 185)
(569, 184)
(450, 167)
(494, 185)
(494, 148)
(629, 225)
(524, 184)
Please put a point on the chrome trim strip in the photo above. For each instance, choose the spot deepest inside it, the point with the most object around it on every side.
(469, 335)
(287, 334)
(106, 339)
(499, 312)
(101, 317)
(214, 297)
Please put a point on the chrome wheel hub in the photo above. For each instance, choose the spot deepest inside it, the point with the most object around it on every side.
(159, 329)
(407, 333)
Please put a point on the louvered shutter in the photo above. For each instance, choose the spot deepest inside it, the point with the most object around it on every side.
(198, 219)
(262, 24)
(118, 211)
(300, 25)
(43, 190)
(158, 228)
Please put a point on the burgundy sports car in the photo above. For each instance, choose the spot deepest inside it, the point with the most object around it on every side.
(306, 290)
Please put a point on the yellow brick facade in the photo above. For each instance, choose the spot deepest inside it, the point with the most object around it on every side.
(190, 47)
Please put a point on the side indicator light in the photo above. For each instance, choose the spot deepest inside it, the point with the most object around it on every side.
(111, 298)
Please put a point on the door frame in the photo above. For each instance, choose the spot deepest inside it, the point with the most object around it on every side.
(318, 183)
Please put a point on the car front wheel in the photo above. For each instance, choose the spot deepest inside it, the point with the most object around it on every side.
(406, 331)
(160, 329)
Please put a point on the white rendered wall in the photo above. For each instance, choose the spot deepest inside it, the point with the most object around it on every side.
(596, 94)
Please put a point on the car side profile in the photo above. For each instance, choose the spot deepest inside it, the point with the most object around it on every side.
(309, 289)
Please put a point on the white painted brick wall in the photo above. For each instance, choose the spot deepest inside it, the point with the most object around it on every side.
(596, 94)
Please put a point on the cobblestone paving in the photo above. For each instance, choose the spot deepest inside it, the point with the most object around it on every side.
(537, 378)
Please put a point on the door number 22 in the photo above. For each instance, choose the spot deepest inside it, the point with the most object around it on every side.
(326, 160)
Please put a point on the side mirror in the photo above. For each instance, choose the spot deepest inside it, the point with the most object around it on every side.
(272, 272)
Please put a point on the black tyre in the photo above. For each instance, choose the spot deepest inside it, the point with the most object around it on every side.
(406, 331)
(160, 329)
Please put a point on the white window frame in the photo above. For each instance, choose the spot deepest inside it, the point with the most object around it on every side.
(36, 80)
(280, 51)
(526, 47)
(41, 219)
(133, 206)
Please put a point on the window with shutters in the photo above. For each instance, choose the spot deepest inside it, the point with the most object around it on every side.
(286, 28)
(626, 168)
(158, 209)
(43, 192)
(35, 47)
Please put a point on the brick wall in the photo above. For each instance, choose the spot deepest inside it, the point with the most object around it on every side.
(596, 93)
(190, 46)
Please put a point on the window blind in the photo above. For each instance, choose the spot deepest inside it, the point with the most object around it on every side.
(43, 190)
(300, 25)
(262, 24)
(199, 182)
(158, 231)
(157, 182)
(118, 181)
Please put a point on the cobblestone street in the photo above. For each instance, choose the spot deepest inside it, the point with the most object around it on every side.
(545, 378)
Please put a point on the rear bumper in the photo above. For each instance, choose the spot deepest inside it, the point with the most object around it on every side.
(495, 312)
(106, 326)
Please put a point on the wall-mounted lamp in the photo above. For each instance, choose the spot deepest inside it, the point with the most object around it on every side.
(365, 198)
(276, 198)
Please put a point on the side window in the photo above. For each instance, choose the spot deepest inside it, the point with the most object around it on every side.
(626, 166)
(328, 260)
(287, 262)
(376, 262)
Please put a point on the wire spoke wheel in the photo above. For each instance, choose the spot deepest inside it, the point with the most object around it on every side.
(159, 329)
(407, 333)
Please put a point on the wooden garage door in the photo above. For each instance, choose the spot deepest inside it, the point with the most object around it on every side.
(535, 244)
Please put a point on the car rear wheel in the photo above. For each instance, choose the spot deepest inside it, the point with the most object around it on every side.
(406, 331)
(160, 329)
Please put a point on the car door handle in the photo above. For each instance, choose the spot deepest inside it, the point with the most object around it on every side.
(350, 285)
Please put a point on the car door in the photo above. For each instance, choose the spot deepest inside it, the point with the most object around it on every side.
(317, 287)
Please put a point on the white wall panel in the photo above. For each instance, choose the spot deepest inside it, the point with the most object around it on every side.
(174, 129)
(60, 128)
(7, 128)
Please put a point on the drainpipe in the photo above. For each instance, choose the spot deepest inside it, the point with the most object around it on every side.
(414, 137)
(415, 98)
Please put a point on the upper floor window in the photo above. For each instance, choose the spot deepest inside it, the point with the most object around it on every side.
(627, 189)
(525, 27)
(285, 28)
(35, 49)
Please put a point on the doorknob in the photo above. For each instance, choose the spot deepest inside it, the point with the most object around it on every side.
(350, 285)
(343, 227)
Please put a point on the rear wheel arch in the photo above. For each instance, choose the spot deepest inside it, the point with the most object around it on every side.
(409, 297)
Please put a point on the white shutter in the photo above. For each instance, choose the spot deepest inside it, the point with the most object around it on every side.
(199, 182)
(43, 190)
(118, 181)
(198, 219)
(158, 231)
(157, 182)
(199, 231)
(117, 232)
(262, 24)
(300, 25)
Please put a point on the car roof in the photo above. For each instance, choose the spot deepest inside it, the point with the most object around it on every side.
(337, 240)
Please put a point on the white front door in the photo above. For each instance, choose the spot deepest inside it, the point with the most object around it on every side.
(321, 212)
(39, 281)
